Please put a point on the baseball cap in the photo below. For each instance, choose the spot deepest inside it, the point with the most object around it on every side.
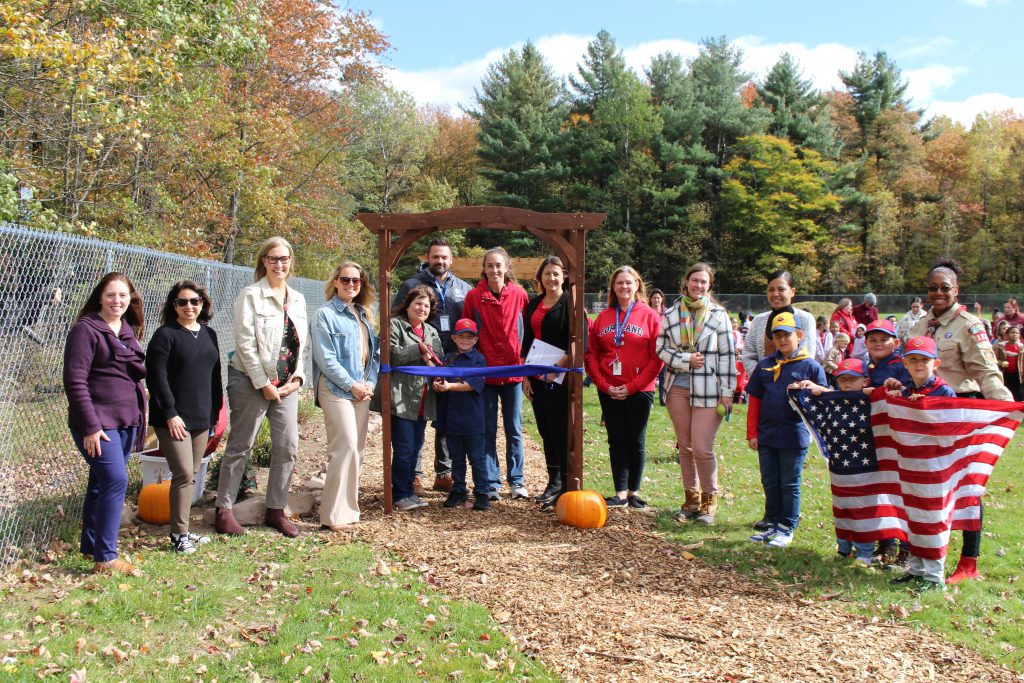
(465, 325)
(880, 326)
(921, 346)
(784, 322)
(852, 366)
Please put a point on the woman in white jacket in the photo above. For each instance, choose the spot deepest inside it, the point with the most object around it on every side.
(696, 345)
(264, 379)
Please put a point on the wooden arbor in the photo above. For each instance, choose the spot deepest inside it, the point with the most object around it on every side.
(565, 233)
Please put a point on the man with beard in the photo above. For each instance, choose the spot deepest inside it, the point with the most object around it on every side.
(450, 292)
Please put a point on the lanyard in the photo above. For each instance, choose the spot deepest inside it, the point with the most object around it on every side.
(620, 330)
(441, 287)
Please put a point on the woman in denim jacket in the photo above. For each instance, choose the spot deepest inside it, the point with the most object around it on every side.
(346, 358)
(264, 379)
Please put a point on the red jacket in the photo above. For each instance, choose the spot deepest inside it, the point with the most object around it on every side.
(847, 324)
(500, 324)
(638, 353)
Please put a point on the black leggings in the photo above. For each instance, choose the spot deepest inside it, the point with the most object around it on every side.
(626, 422)
(551, 410)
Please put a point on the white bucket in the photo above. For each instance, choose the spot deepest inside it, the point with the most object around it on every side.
(155, 468)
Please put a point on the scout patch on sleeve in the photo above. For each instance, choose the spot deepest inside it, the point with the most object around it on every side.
(988, 355)
(978, 330)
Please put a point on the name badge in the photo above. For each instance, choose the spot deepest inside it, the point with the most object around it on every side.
(443, 322)
(617, 368)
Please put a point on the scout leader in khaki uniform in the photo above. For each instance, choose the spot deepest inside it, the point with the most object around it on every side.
(968, 361)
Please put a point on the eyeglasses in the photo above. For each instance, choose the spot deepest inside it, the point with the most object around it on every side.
(349, 280)
(182, 303)
(945, 289)
(274, 260)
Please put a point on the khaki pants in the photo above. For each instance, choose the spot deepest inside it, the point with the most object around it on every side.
(345, 421)
(695, 431)
(248, 408)
(184, 458)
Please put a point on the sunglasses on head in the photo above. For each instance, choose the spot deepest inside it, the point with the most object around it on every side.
(195, 301)
(349, 280)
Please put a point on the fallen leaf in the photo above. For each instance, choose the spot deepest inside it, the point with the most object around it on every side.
(898, 611)
(118, 654)
(380, 657)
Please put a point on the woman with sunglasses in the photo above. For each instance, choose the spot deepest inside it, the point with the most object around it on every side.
(264, 379)
(185, 396)
(346, 358)
(103, 371)
(967, 363)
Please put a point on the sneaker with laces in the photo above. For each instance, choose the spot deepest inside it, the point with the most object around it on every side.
(407, 504)
(197, 539)
(636, 502)
(762, 525)
(455, 500)
(616, 502)
(183, 544)
(783, 537)
(482, 503)
(420, 503)
(764, 536)
(494, 496)
(519, 492)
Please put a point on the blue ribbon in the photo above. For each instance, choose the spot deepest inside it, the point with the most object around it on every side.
(462, 373)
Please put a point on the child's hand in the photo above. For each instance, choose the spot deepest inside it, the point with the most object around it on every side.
(441, 385)
(818, 390)
(894, 393)
(915, 397)
(893, 384)
(752, 443)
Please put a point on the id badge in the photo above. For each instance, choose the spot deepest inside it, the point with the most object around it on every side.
(443, 322)
(617, 368)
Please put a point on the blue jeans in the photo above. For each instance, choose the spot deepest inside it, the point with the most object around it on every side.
(511, 396)
(406, 441)
(864, 550)
(468, 447)
(781, 471)
(104, 493)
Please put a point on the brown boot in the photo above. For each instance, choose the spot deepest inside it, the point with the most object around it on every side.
(691, 508)
(708, 508)
(280, 521)
(417, 486)
(443, 482)
(116, 566)
(225, 523)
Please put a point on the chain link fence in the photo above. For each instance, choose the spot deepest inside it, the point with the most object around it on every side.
(45, 279)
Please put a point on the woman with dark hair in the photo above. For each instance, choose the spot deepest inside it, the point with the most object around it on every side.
(496, 306)
(696, 346)
(757, 345)
(346, 359)
(185, 396)
(104, 369)
(622, 359)
(266, 373)
(413, 342)
(548, 318)
(967, 364)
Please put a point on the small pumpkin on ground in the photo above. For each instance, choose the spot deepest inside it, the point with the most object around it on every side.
(582, 509)
(155, 503)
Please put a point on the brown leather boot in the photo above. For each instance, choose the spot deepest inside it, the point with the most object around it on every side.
(708, 508)
(443, 482)
(691, 508)
(417, 487)
(225, 523)
(278, 520)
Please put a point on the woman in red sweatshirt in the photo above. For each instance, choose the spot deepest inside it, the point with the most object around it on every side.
(622, 360)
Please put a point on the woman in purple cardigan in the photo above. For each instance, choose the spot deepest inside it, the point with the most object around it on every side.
(104, 367)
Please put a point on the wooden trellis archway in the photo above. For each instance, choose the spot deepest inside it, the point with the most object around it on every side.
(565, 233)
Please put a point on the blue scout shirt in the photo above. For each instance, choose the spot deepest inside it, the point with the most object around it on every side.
(461, 413)
(888, 367)
(935, 386)
(780, 426)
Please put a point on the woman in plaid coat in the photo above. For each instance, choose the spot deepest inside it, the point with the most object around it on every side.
(696, 345)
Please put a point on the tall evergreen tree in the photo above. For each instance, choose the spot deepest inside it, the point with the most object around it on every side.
(521, 108)
(876, 86)
(797, 108)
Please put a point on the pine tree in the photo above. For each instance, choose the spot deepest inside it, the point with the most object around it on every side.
(797, 109)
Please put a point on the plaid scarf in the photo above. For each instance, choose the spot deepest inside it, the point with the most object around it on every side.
(693, 314)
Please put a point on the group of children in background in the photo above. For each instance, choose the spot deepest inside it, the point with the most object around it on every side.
(776, 431)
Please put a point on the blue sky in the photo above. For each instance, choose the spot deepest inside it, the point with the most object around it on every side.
(960, 57)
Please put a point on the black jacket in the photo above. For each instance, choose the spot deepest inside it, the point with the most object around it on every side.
(554, 329)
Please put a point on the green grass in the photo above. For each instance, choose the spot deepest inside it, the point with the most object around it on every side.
(289, 610)
(987, 616)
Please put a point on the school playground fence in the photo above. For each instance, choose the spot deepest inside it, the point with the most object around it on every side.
(44, 280)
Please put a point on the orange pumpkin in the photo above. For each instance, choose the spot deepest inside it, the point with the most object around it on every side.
(582, 509)
(155, 503)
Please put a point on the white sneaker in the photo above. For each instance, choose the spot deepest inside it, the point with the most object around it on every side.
(183, 545)
(782, 538)
(407, 504)
(520, 492)
(197, 539)
(763, 536)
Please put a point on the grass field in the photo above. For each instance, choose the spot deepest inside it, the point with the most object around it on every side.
(985, 615)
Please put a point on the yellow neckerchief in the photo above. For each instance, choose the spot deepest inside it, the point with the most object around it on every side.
(776, 369)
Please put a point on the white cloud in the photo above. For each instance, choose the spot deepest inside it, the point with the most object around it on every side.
(821, 64)
(966, 111)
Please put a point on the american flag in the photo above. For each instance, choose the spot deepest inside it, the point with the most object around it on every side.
(907, 470)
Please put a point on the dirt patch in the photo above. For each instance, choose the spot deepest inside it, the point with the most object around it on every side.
(622, 604)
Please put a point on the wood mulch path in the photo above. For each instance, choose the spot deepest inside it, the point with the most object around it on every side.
(622, 604)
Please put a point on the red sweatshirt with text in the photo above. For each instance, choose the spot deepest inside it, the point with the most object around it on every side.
(638, 355)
